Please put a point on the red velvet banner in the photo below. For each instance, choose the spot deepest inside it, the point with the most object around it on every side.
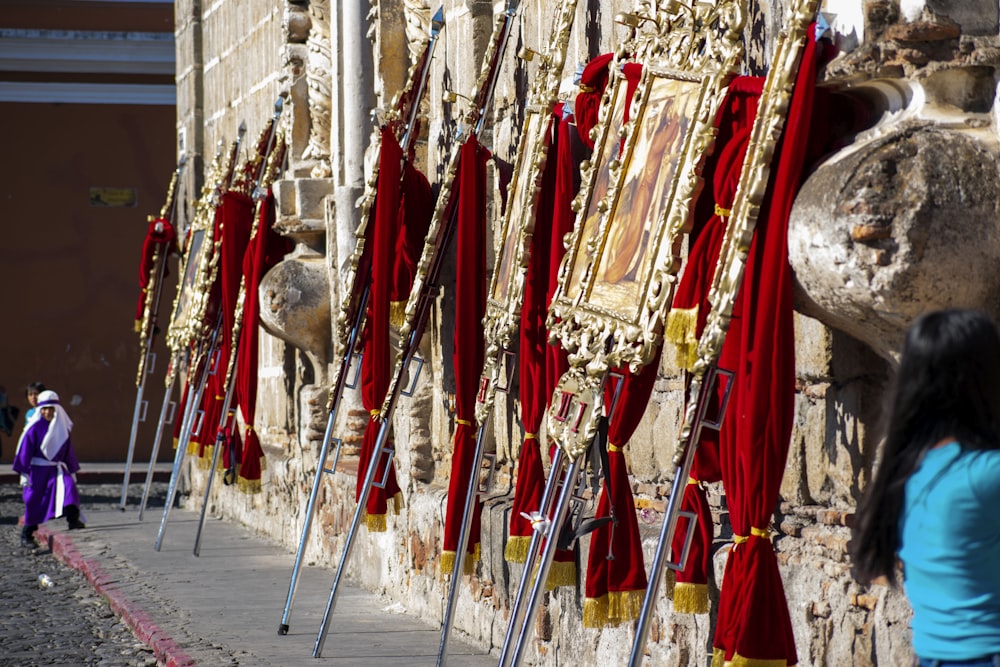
(376, 362)
(686, 321)
(470, 308)
(616, 571)
(753, 625)
(533, 397)
(265, 250)
(160, 237)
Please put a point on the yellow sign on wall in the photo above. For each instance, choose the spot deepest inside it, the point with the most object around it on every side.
(113, 197)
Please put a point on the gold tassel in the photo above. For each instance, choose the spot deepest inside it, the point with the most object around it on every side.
(595, 612)
(396, 503)
(192, 448)
(516, 550)
(175, 444)
(248, 486)
(447, 562)
(397, 314)
(561, 574)
(718, 658)
(680, 330)
(690, 598)
(739, 661)
(624, 606)
(137, 326)
(375, 523)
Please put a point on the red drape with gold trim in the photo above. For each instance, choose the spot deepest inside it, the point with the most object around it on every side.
(234, 219)
(593, 81)
(686, 321)
(164, 240)
(470, 308)
(376, 364)
(753, 626)
(530, 480)
(266, 249)
(416, 209)
(567, 183)
(616, 571)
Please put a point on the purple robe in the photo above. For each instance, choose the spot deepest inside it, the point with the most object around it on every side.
(40, 495)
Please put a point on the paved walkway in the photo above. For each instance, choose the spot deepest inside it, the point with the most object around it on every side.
(224, 607)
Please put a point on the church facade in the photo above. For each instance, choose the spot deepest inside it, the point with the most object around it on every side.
(897, 203)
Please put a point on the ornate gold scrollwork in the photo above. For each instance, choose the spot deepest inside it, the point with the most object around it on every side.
(506, 294)
(616, 281)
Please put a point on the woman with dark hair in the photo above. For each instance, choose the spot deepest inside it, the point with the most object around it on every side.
(934, 500)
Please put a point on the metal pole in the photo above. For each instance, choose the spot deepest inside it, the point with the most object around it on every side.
(335, 397)
(662, 548)
(171, 381)
(517, 612)
(134, 432)
(471, 495)
(219, 441)
(701, 388)
(551, 543)
(307, 524)
(324, 627)
(185, 435)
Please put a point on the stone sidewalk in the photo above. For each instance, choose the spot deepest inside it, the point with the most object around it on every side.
(224, 606)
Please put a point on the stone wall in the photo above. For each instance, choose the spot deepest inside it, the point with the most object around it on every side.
(839, 378)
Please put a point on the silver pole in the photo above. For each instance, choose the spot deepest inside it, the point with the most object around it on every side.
(551, 543)
(471, 495)
(134, 432)
(517, 612)
(219, 442)
(324, 627)
(659, 559)
(189, 413)
(701, 390)
(338, 392)
(307, 524)
(171, 381)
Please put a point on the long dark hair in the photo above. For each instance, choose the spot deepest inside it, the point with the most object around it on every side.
(947, 386)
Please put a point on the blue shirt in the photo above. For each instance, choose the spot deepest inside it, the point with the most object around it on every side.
(950, 531)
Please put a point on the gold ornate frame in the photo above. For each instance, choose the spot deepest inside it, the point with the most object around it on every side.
(603, 322)
(506, 294)
(198, 267)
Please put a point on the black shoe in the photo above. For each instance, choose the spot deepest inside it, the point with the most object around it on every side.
(76, 524)
(27, 542)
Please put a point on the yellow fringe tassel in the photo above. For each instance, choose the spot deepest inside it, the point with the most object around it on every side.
(561, 574)
(468, 565)
(719, 660)
(680, 330)
(397, 313)
(690, 598)
(376, 523)
(516, 550)
(248, 486)
(624, 606)
(595, 612)
(193, 447)
(739, 661)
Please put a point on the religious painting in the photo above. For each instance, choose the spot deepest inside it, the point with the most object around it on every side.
(607, 150)
(636, 200)
(654, 151)
(521, 197)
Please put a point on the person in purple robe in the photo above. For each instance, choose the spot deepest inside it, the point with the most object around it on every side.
(46, 461)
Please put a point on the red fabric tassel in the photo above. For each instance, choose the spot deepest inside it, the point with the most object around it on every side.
(753, 618)
(164, 241)
(375, 365)
(616, 572)
(470, 308)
